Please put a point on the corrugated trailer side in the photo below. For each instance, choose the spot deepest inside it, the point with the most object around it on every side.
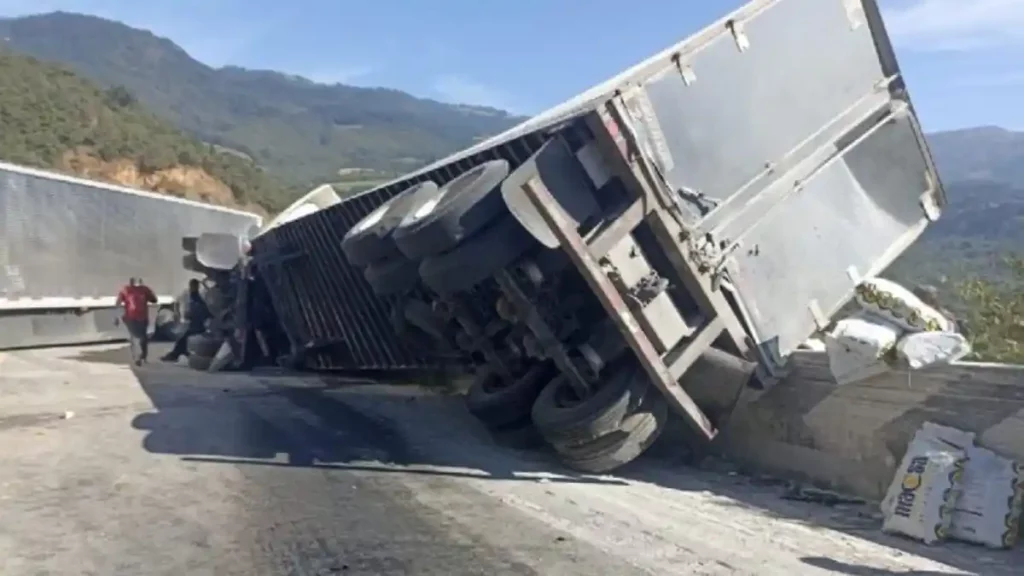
(323, 302)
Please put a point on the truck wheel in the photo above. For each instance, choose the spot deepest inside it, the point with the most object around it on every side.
(201, 363)
(165, 325)
(461, 208)
(497, 404)
(563, 419)
(413, 339)
(392, 276)
(370, 239)
(203, 345)
(419, 314)
(215, 299)
(634, 436)
(522, 435)
(478, 258)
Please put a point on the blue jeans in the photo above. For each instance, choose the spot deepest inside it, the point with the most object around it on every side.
(138, 339)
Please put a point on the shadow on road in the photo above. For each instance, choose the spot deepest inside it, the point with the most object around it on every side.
(838, 567)
(281, 420)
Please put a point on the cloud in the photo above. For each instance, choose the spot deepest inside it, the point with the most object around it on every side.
(955, 25)
(458, 89)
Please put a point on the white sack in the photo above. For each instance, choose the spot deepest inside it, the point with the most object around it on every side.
(858, 346)
(900, 306)
(989, 508)
(921, 498)
(922, 349)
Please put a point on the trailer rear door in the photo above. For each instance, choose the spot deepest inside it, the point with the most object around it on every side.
(791, 142)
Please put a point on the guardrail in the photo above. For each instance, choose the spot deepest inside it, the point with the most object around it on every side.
(852, 437)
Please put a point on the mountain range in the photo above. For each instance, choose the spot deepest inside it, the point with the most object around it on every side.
(296, 128)
(303, 133)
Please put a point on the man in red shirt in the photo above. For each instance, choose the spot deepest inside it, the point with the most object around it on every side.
(135, 299)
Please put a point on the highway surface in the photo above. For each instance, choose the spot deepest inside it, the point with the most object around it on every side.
(111, 471)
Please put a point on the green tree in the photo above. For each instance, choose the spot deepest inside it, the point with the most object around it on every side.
(119, 97)
(994, 311)
(47, 111)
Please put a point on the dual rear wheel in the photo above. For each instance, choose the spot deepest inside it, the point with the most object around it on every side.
(617, 422)
(451, 237)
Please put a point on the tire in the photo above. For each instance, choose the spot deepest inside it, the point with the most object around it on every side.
(409, 335)
(461, 208)
(419, 315)
(203, 345)
(522, 435)
(392, 276)
(191, 263)
(635, 435)
(216, 300)
(478, 258)
(165, 325)
(600, 414)
(499, 407)
(201, 363)
(370, 239)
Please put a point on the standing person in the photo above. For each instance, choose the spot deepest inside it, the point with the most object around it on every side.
(135, 299)
(195, 312)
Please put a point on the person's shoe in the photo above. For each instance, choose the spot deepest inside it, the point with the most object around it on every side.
(138, 362)
(169, 358)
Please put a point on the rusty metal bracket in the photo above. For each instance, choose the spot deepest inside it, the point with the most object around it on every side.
(527, 314)
(571, 242)
(480, 340)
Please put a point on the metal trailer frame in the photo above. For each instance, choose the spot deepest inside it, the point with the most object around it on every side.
(647, 206)
(615, 137)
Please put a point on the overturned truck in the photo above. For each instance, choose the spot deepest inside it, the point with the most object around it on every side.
(698, 216)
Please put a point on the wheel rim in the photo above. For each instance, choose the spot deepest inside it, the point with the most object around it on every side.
(373, 218)
(426, 209)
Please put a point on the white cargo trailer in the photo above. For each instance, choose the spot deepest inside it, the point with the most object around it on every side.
(68, 244)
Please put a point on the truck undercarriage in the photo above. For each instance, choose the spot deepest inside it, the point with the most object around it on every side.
(693, 217)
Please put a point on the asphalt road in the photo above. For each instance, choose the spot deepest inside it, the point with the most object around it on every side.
(111, 471)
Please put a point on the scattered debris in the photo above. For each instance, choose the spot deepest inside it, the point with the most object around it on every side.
(801, 493)
(68, 415)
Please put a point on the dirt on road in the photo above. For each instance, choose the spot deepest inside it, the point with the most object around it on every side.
(108, 470)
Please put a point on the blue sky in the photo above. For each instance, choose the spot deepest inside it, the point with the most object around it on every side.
(964, 59)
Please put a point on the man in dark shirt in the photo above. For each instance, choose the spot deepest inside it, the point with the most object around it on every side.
(195, 313)
(135, 299)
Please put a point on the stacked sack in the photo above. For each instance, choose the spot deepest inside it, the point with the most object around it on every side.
(893, 326)
(948, 487)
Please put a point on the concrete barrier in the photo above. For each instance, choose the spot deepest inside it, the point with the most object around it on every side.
(851, 437)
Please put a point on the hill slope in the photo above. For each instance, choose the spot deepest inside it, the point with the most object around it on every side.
(52, 118)
(299, 129)
(983, 223)
(986, 153)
